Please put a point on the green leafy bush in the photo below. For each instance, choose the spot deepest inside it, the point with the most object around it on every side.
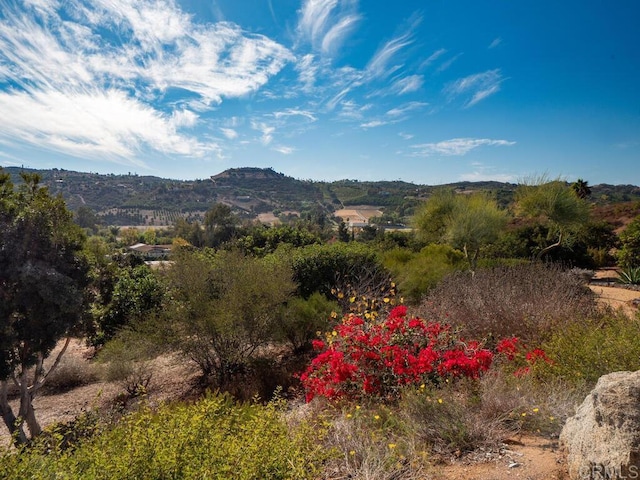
(584, 351)
(302, 319)
(417, 273)
(214, 438)
(224, 307)
(629, 253)
(346, 266)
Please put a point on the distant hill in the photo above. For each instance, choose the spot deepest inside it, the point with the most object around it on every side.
(140, 200)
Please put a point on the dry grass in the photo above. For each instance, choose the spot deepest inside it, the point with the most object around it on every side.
(72, 372)
(527, 301)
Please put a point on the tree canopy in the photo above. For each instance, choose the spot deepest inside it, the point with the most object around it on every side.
(555, 204)
(43, 275)
(467, 222)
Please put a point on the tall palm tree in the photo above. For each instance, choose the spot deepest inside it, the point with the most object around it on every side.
(581, 187)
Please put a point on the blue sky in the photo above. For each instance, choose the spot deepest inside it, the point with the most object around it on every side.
(426, 91)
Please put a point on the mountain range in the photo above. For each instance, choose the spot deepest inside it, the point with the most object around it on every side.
(148, 200)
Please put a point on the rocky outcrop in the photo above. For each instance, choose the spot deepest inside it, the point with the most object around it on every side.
(602, 440)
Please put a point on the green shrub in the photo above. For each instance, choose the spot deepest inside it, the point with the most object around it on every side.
(629, 253)
(584, 351)
(127, 358)
(225, 306)
(214, 439)
(322, 268)
(630, 276)
(417, 273)
(301, 319)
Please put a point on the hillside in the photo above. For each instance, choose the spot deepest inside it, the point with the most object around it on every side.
(139, 200)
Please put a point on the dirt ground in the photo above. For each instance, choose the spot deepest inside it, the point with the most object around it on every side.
(604, 286)
(525, 457)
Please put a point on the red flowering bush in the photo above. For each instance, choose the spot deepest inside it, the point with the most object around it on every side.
(361, 358)
(514, 351)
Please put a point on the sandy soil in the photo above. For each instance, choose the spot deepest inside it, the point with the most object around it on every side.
(604, 286)
(527, 458)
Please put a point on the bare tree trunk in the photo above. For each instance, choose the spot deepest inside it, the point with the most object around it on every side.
(9, 418)
(550, 247)
(28, 390)
(27, 412)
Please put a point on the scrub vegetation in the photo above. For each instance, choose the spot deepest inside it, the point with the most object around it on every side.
(318, 350)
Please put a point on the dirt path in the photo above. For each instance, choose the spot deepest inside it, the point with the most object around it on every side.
(527, 458)
(617, 297)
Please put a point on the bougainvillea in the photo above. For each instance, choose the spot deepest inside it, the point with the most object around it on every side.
(361, 358)
(377, 358)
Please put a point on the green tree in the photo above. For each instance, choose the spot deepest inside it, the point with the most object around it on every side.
(129, 236)
(150, 236)
(261, 240)
(86, 218)
(581, 188)
(219, 225)
(554, 204)
(343, 232)
(629, 253)
(43, 275)
(135, 294)
(224, 306)
(466, 222)
(418, 272)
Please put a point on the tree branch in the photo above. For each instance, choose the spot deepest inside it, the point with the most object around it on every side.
(36, 385)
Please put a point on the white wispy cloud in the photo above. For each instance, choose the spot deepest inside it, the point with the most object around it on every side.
(326, 24)
(408, 84)
(89, 75)
(433, 57)
(294, 112)
(406, 136)
(350, 110)
(335, 37)
(95, 124)
(447, 64)
(284, 149)
(266, 131)
(230, 133)
(495, 42)
(456, 146)
(478, 86)
(406, 108)
(374, 124)
(307, 69)
(393, 116)
(380, 64)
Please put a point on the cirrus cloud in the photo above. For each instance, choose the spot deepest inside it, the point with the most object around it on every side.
(456, 146)
(91, 78)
